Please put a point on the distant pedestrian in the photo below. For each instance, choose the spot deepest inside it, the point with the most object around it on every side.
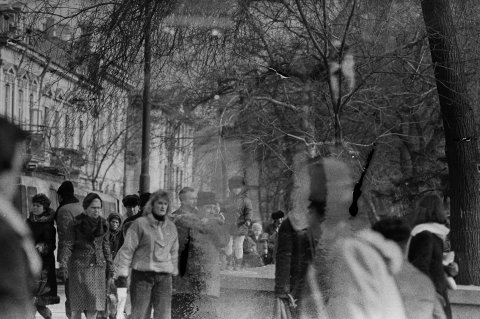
(417, 290)
(142, 200)
(69, 208)
(20, 264)
(151, 251)
(131, 204)
(238, 218)
(427, 244)
(115, 233)
(87, 257)
(197, 287)
(187, 202)
(44, 236)
(272, 231)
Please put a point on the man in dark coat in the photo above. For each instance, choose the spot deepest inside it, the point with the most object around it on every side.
(67, 211)
(272, 231)
(143, 199)
(114, 233)
(20, 264)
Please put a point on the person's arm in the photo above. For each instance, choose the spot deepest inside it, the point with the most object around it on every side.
(64, 219)
(174, 255)
(50, 239)
(107, 253)
(68, 243)
(283, 259)
(247, 210)
(421, 251)
(123, 260)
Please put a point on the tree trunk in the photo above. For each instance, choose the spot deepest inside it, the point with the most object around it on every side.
(460, 135)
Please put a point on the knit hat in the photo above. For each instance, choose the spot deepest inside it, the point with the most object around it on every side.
(277, 215)
(41, 199)
(236, 182)
(65, 189)
(131, 200)
(89, 199)
(206, 198)
(113, 216)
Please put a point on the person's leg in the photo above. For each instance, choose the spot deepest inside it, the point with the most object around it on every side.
(238, 250)
(140, 293)
(162, 297)
(68, 310)
(76, 314)
(229, 253)
(44, 311)
(91, 314)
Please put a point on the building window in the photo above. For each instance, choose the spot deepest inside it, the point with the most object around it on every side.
(80, 135)
(57, 129)
(7, 100)
(20, 107)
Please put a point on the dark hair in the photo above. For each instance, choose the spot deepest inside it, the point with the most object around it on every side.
(185, 190)
(10, 136)
(41, 199)
(429, 209)
(395, 229)
(89, 199)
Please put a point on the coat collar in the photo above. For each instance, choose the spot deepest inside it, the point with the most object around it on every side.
(435, 228)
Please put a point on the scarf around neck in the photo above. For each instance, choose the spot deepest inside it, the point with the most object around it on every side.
(92, 227)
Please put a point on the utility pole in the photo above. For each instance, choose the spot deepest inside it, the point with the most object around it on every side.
(147, 74)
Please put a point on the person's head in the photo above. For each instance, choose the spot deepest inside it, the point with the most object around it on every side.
(131, 202)
(65, 191)
(394, 228)
(429, 209)
(187, 197)
(277, 218)
(144, 198)
(206, 203)
(257, 229)
(40, 204)
(236, 184)
(114, 221)
(93, 204)
(158, 204)
(11, 140)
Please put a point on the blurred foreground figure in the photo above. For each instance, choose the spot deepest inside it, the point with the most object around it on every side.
(151, 250)
(416, 289)
(42, 226)
(427, 244)
(202, 234)
(20, 264)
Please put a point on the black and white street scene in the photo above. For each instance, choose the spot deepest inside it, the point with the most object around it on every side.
(239, 159)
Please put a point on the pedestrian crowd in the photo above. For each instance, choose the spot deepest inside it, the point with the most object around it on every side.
(156, 262)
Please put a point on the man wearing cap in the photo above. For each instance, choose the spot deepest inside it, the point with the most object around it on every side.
(131, 202)
(68, 209)
(272, 231)
(203, 234)
(142, 200)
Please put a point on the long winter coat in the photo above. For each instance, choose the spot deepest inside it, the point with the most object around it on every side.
(238, 211)
(65, 215)
(426, 253)
(200, 241)
(88, 261)
(43, 231)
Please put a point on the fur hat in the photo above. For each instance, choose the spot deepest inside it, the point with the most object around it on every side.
(131, 201)
(236, 182)
(65, 189)
(206, 198)
(277, 215)
(144, 199)
(41, 199)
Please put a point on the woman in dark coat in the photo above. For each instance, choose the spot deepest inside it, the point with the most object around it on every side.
(87, 257)
(43, 231)
(427, 244)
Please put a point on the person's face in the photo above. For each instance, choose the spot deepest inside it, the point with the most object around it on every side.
(9, 178)
(188, 199)
(257, 231)
(95, 209)
(237, 190)
(207, 210)
(37, 209)
(160, 207)
(114, 224)
(131, 210)
(277, 222)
